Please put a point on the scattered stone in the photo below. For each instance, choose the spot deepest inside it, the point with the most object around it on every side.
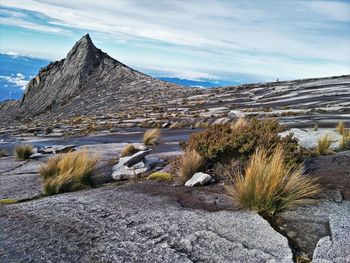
(235, 114)
(55, 149)
(135, 158)
(35, 155)
(166, 124)
(135, 165)
(199, 179)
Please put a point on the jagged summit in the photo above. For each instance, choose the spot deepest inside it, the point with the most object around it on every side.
(87, 81)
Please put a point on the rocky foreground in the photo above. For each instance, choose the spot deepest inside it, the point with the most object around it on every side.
(147, 221)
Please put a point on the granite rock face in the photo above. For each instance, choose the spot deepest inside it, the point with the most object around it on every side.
(122, 225)
(86, 80)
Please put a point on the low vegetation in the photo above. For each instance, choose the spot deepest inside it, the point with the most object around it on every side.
(323, 145)
(160, 176)
(151, 137)
(67, 172)
(8, 201)
(239, 125)
(341, 128)
(269, 185)
(128, 150)
(23, 152)
(189, 163)
(344, 143)
(220, 142)
(3, 153)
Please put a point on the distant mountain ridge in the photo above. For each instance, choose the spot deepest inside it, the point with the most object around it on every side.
(86, 81)
(90, 83)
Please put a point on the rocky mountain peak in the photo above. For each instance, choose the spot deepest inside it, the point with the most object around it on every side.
(89, 82)
(84, 48)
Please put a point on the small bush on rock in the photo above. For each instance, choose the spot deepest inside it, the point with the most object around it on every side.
(151, 137)
(269, 185)
(23, 152)
(160, 176)
(128, 150)
(220, 142)
(189, 163)
(67, 172)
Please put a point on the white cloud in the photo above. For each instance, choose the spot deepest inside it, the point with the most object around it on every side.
(268, 38)
(17, 80)
(337, 11)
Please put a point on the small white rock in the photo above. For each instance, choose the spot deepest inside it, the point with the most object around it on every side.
(199, 179)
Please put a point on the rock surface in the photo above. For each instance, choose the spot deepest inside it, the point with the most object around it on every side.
(19, 179)
(324, 225)
(332, 171)
(122, 225)
(199, 179)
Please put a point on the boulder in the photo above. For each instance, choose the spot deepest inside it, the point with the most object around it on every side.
(199, 179)
(308, 138)
(135, 158)
(55, 149)
(235, 114)
(135, 165)
(166, 124)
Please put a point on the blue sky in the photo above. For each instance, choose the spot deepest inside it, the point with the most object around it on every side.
(201, 39)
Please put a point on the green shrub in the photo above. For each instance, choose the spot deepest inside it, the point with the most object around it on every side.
(23, 152)
(67, 172)
(160, 176)
(220, 142)
(269, 185)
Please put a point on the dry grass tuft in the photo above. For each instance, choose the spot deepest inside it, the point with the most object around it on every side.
(23, 152)
(151, 137)
(341, 128)
(67, 172)
(323, 145)
(128, 150)
(160, 176)
(189, 163)
(269, 185)
(239, 125)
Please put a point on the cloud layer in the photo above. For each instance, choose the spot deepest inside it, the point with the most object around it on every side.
(269, 39)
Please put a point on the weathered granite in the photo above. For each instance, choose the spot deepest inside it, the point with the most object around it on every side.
(118, 224)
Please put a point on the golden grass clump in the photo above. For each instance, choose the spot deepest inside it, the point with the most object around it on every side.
(189, 163)
(23, 152)
(151, 137)
(341, 128)
(160, 176)
(323, 145)
(239, 125)
(67, 172)
(269, 185)
(128, 150)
